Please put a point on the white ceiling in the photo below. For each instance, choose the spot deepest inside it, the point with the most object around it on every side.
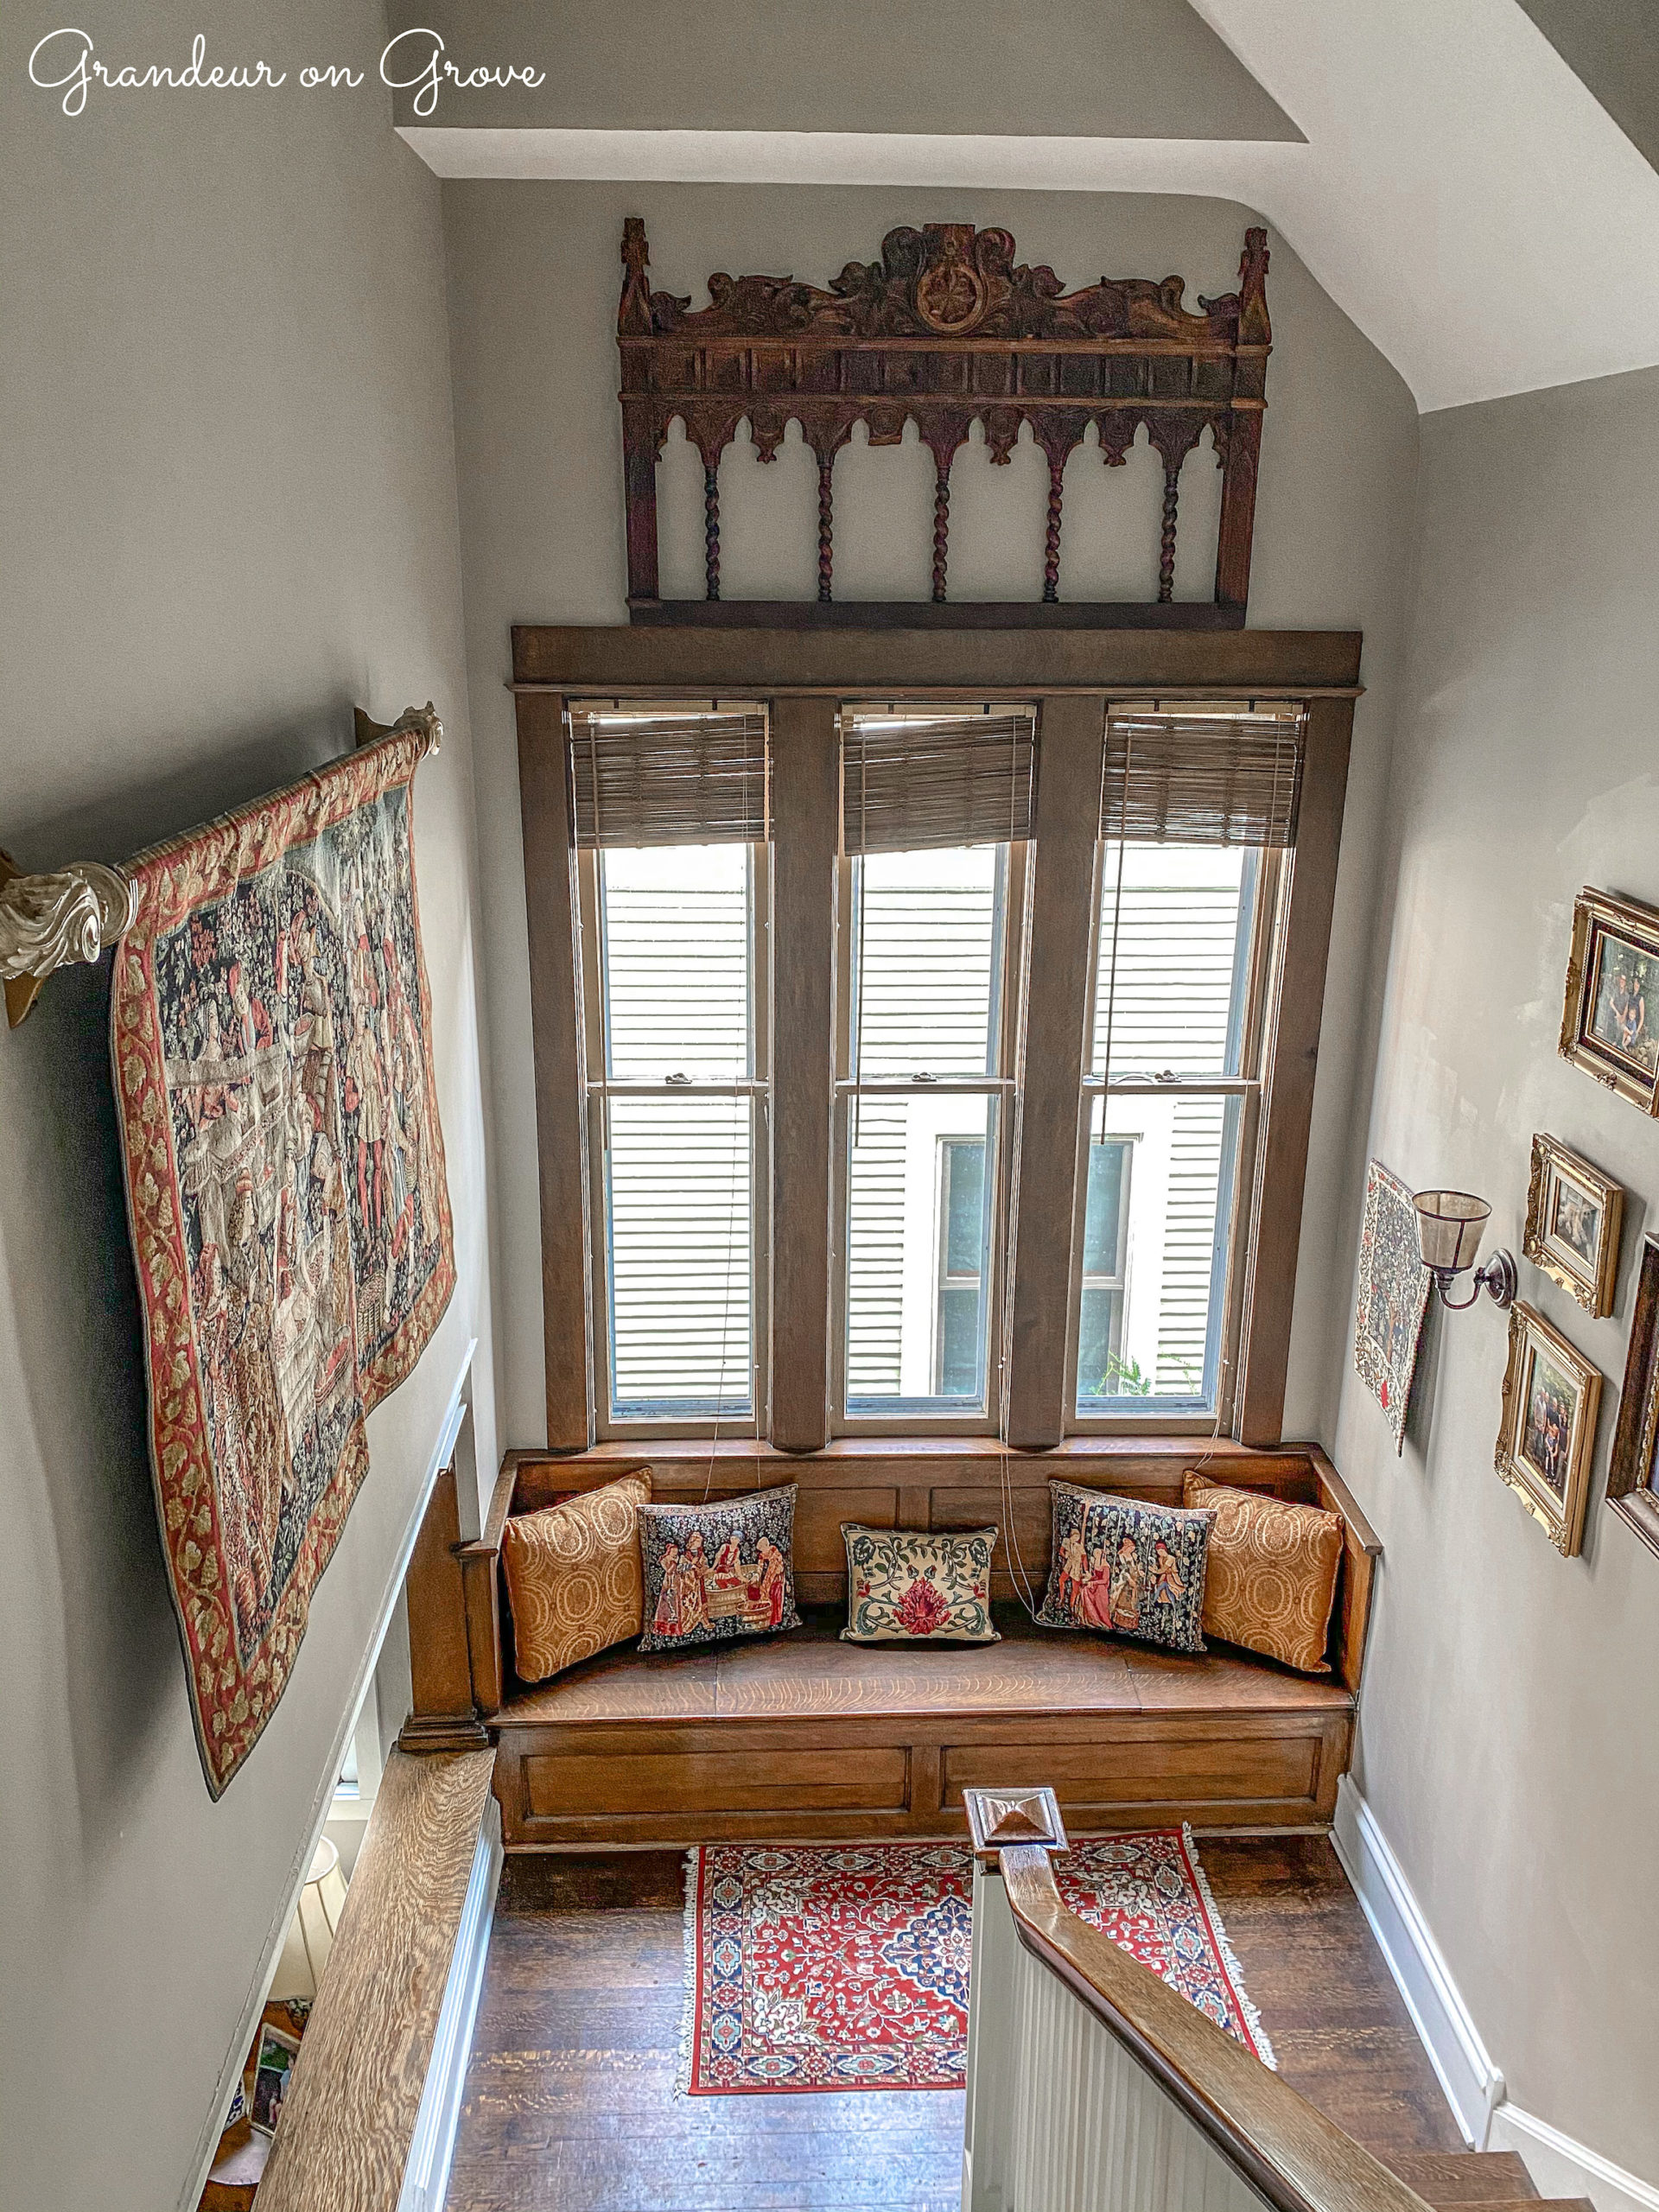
(1459, 193)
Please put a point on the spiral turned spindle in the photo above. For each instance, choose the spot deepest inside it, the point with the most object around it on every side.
(826, 524)
(941, 530)
(711, 530)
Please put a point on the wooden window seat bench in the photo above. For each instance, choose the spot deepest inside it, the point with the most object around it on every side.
(803, 1735)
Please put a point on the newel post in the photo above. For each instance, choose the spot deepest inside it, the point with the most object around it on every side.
(998, 1819)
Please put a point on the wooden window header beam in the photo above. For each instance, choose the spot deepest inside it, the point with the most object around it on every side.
(903, 662)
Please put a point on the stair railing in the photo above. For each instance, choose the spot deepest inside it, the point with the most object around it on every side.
(1094, 2087)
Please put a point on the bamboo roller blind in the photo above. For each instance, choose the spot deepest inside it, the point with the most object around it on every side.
(1211, 775)
(956, 777)
(669, 776)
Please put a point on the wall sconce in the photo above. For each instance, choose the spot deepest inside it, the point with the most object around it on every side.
(1449, 1224)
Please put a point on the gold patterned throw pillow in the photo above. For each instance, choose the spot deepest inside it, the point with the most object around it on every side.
(574, 1576)
(1273, 1571)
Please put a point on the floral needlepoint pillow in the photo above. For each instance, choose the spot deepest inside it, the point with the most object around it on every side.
(716, 1571)
(1126, 1567)
(905, 1583)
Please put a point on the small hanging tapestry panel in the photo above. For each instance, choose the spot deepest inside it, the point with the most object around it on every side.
(270, 1030)
(1393, 1286)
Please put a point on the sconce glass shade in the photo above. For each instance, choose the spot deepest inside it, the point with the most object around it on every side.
(1449, 1225)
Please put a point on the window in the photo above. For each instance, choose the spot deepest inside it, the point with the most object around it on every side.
(925, 1051)
(674, 999)
(924, 1100)
(1179, 1004)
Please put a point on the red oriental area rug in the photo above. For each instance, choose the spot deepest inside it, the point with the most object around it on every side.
(845, 1966)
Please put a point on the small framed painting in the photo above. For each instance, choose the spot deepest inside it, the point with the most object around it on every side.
(1573, 1216)
(1632, 1492)
(1610, 1022)
(1551, 1395)
(273, 2069)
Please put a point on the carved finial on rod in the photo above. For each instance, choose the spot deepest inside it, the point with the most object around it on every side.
(52, 921)
(421, 721)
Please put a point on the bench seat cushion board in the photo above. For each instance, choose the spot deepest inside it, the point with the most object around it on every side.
(1272, 1575)
(573, 1574)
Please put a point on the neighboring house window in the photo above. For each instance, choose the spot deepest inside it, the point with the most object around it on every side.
(1101, 1369)
(959, 1330)
(924, 1108)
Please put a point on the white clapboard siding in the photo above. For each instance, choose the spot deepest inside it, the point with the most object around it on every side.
(1166, 1001)
(1189, 1245)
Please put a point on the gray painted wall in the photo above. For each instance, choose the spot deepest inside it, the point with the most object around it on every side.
(229, 514)
(1115, 69)
(1508, 1746)
(534, 275)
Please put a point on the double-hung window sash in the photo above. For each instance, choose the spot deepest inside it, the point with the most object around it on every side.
(1198, 814)
(936, 812)
(671, 811)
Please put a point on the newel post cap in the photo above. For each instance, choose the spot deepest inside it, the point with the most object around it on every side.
(999, 1819)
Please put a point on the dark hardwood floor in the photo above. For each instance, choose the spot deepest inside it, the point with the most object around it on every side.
(570, 2097)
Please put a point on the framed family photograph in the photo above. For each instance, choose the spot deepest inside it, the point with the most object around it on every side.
(1575, 1213)
(1551, 1394)
(1632, 1489)
(1610, 1022)
(272, 2067)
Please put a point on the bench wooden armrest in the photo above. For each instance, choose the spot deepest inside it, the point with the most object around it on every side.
(480, 1577)
(1361, 1549)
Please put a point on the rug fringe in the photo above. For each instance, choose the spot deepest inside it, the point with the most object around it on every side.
(688, 1973)
(1228, 1956)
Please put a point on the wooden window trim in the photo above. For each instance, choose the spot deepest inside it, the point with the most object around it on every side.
(551, 664)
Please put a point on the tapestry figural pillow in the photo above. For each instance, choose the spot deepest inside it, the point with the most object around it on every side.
(1273, 1573)
(903, 1584)
(1126, 1567)
(716, 1571)
(573, 1576)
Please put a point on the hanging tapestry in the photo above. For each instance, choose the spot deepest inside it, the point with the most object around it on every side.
(1393, 1286)
(270, 1031)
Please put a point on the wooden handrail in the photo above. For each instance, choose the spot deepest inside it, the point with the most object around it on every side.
(1288, 2151)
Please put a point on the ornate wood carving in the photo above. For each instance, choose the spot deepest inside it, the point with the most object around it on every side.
(945, 330)
(51, 921)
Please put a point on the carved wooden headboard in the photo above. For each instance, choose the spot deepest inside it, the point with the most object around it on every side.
(945, 330)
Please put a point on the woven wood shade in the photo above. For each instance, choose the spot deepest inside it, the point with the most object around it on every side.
(1220, 777)
(675, 777)
(961, 777)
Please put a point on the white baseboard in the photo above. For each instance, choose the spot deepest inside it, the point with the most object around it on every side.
(1473, 2085)
(1474, 2088)
(426, 2177)
(1560, 2167)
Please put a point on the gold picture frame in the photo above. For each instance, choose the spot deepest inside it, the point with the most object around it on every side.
(1610, 1017)
(1574, 1214)
(1631, 1472)
(1551, 1397)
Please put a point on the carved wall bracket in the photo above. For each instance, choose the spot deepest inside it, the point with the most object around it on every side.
(946, 329)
